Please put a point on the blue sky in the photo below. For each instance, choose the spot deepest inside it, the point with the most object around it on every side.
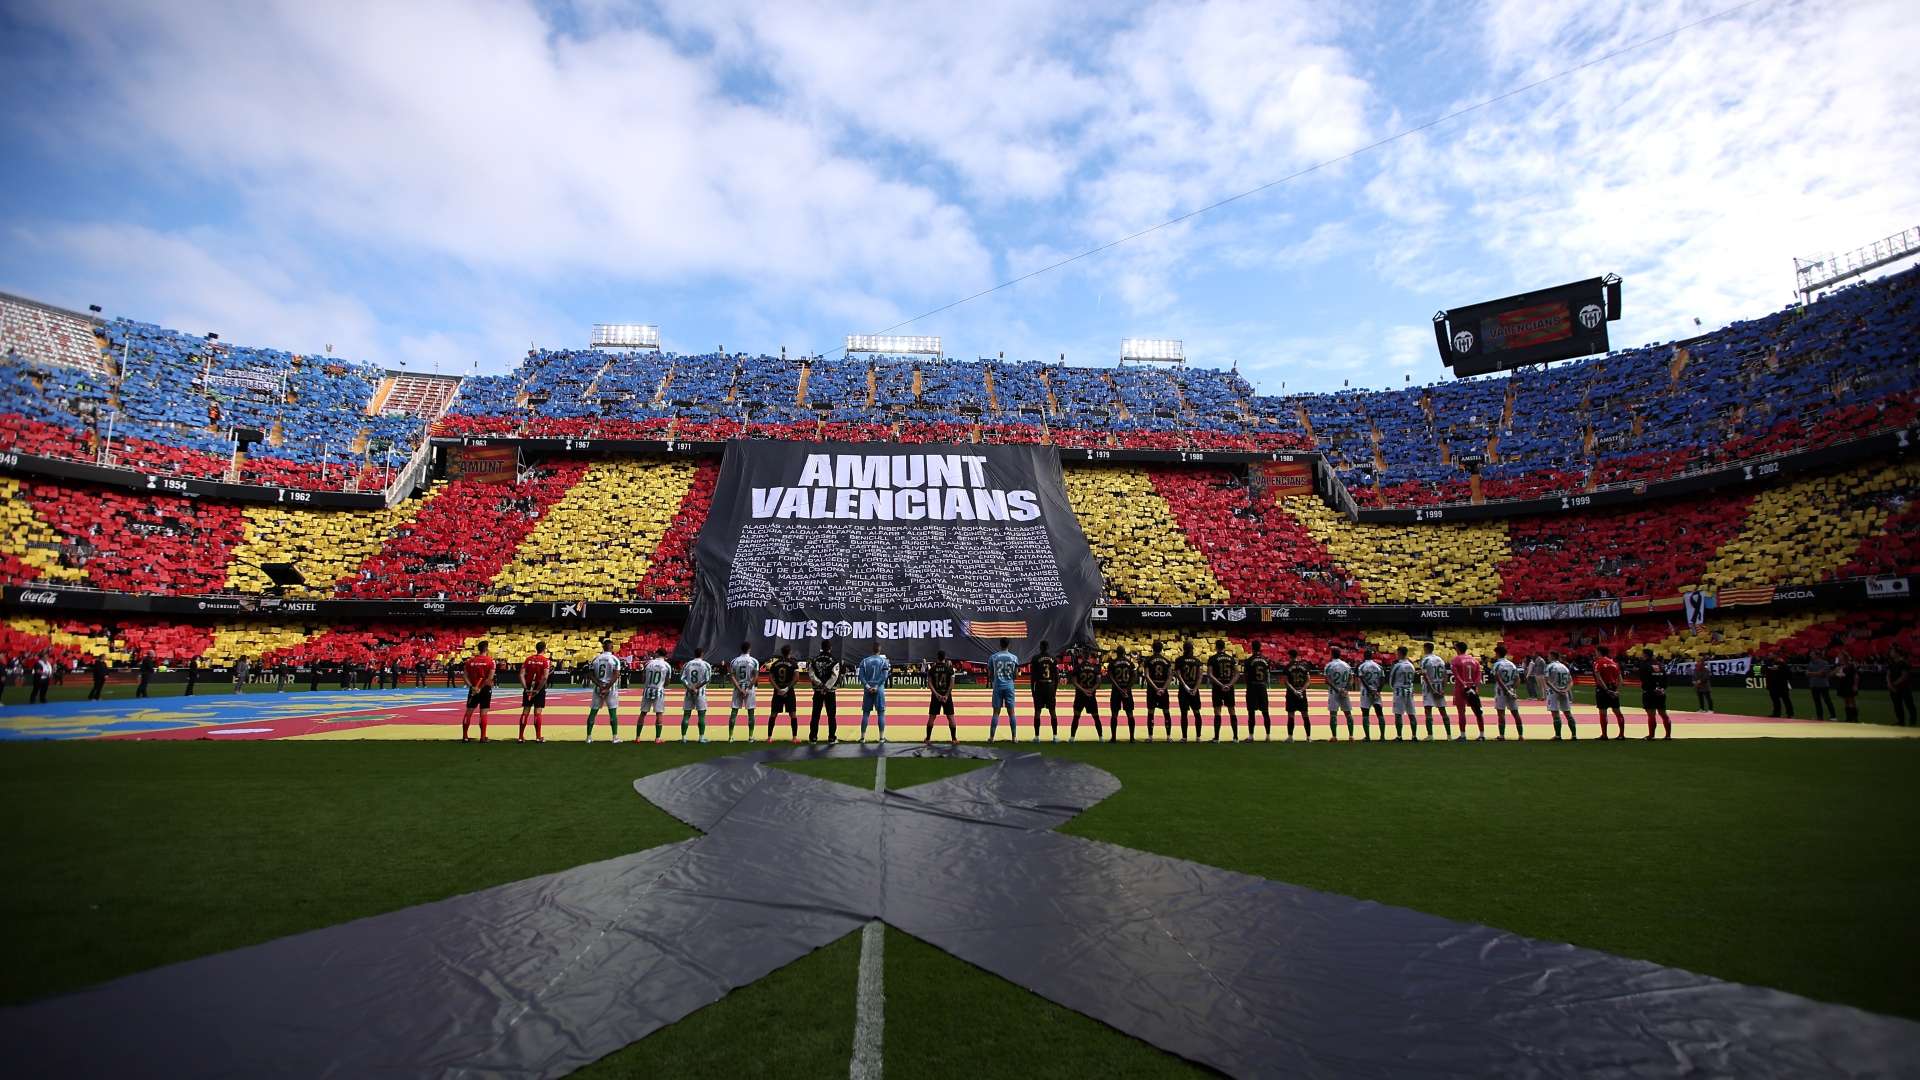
(441, 184)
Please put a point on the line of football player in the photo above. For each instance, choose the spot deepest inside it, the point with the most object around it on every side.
(1226, 680)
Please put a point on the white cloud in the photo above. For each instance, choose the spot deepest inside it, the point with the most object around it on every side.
(1695, 168)
(472, 132)
(201, 280)
(197, 282)
(1124, 123)
(988, 89)
(438, 181)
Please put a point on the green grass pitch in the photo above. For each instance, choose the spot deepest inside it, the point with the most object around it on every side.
(1789, 863)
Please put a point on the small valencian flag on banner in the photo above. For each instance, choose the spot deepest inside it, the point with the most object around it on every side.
(1759, 594)
(1006, 628)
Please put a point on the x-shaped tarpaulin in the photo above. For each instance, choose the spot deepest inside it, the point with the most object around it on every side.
(1251, 976)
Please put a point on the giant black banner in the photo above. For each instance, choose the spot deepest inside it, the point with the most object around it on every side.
(918, 548)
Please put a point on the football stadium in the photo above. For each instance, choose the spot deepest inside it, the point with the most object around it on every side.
(1539, 705)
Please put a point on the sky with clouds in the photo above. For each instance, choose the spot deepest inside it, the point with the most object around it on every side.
(442, 184)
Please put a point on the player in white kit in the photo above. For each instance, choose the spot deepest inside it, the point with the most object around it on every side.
(1372, 676)
(653, 692)
(603, 672)
(1403, 676)
(743, 670)
(695, 676)
(1506, 692)
(1339, 676)
(1560, 694)
(1433, 680)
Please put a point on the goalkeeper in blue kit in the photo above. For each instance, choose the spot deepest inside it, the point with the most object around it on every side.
(874, 671)
(1002, 666)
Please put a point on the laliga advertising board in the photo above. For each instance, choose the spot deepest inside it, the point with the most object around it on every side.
(924, 547)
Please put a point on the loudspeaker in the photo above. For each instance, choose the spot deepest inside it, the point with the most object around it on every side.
(282, 574)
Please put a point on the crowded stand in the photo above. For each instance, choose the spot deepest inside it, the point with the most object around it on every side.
(1659, 549)
(1802, 532)
(619, 510)
(1163, 534)
(1143, 555)
(325, 547)
(669, 573)
(135, 542)
(1020, 388)
(143, 397)
(952, 387)
(1807, 377)
(1440, 563)
(1257, 551)
(464, 534)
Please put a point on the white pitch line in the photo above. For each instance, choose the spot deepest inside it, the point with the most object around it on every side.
(870, 1000)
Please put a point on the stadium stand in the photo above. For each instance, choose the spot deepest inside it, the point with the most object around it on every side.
(327, 548)
(1165, 534)
(670, 574)
(424, 396)
(30, 549)
(139, 543)
(1861, 634)
(463, 535)
(1439, 563)
(1144, 556)
(619, 528)
(1259, 553)
(1801, 532)
(39, 333)
(1651, 550)
(1806, 377)
(175, 398)
(598, 541)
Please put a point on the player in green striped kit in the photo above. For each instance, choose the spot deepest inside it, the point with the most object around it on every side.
(744, 670)
(695, 676)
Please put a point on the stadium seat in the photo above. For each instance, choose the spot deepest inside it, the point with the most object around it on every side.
(462, 536)
(1803, 532)
(30, 549)
(1259, 553)
(139, 543)
(670, 574)
(1142, 553)
(326, 546)
(598, 541)
(1410, 564)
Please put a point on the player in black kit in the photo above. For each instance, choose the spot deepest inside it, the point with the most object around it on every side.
(825, 671)
(1222, 670)
(940, 695)
(1259, 670)
(785, 674)
(1120, 675)
(1299, 674)
(1086, 680)
(1158, 673)
(1653, 691)
(1187, 671)
(1045, 675)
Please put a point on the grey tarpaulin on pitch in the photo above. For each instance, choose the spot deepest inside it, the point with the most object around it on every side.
(1253, 977)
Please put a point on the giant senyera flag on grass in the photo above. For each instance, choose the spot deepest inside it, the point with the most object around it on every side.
(920, 548)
